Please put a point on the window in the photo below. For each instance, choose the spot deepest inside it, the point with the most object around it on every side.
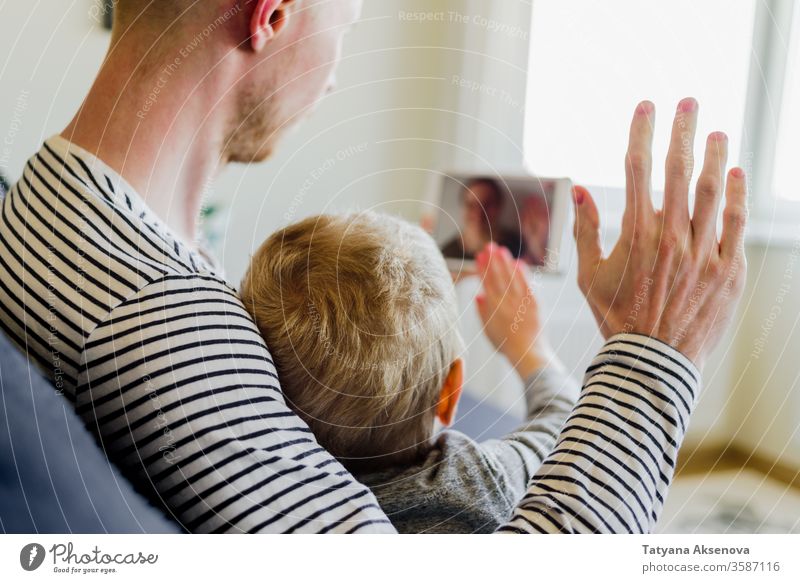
(589, 67)
(787, 152)
(740, 58)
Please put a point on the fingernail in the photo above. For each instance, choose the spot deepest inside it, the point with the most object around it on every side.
(687, 105)
(737, 173)
(579, 195)
(718, 136)
(644, 108)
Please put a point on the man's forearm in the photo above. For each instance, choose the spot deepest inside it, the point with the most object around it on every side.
(615, 457)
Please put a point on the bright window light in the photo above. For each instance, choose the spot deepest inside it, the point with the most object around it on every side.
(592, 62)
(788, 145)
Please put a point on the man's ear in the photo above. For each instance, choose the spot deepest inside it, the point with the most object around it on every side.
(451, 393)
(269, 17)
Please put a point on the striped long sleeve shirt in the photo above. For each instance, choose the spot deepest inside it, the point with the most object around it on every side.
(157, 354)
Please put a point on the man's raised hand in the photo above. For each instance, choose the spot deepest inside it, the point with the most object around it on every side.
(669, 276)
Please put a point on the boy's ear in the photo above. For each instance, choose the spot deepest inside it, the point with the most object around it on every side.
(451, 393)
(269, 18)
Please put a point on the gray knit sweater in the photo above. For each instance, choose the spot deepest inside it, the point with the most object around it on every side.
(463, 486)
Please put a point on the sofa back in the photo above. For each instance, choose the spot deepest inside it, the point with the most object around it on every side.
(54, 478)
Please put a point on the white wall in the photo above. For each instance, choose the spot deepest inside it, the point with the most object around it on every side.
(49, 53)
(393, 101)
(764, 408)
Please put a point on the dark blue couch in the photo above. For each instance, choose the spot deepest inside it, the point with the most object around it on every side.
(53, 476)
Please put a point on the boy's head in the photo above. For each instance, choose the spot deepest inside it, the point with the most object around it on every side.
(360, 316)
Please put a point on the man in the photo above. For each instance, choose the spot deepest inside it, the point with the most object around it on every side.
(101, 283)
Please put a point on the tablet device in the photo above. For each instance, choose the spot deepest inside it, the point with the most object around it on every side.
(526, 214)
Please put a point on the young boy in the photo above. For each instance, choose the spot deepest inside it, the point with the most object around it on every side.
(360, 315)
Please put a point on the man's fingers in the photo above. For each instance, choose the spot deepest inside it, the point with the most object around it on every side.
(709, 192)
(734, 217)
(587, 236)
(639, 166)
(679, 166)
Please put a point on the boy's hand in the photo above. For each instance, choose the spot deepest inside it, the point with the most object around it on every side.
(510, 312)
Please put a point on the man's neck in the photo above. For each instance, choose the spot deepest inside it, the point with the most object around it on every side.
(162, 132)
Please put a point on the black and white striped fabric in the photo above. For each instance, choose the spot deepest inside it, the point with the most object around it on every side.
(158, 355)
(615, 457)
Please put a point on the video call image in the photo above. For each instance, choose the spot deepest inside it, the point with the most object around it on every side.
(513, 213)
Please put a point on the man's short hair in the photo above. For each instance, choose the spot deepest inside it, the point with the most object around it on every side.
(359, 313)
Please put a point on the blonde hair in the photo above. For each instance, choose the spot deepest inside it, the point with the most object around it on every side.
(359, 313)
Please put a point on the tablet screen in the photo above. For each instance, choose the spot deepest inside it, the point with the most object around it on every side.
(515, 213)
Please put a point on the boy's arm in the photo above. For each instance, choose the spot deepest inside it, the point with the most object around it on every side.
(510, 313)
(550, 396)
